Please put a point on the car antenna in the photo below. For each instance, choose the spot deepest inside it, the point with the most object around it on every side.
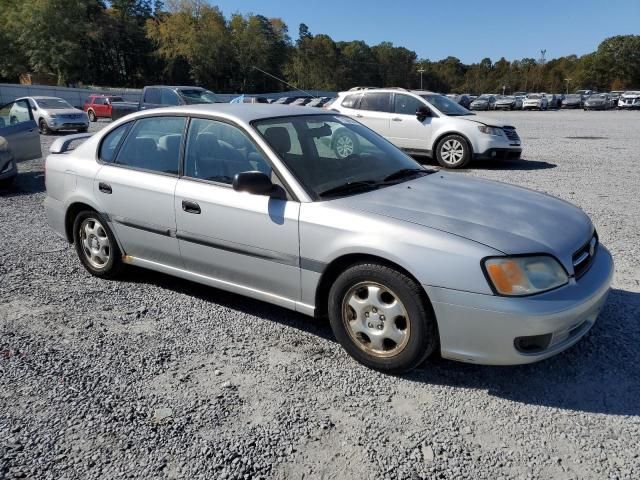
(287, 84)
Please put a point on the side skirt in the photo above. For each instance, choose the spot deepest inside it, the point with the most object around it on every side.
(222, 285)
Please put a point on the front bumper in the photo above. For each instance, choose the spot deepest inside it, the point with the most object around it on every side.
(510, 153)
(67, 125)
(483, 329)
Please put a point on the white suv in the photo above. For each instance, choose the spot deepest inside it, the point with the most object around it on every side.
(425, 123)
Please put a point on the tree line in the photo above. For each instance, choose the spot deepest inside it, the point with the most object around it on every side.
(130, 43)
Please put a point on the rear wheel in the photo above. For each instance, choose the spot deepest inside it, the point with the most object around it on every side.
(92, 116)
(96, 245)
(382, 318)
(453, 152)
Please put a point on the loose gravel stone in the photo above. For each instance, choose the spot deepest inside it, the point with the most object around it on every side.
(154, 377)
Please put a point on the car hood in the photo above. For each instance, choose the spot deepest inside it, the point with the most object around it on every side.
(63, 111)
(513, 220)
(595, 100)
(492, 122)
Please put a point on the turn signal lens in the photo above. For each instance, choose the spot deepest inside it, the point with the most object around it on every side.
(517, 276)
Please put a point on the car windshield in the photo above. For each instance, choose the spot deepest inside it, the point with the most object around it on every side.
(573, 96)
(446, 105)
(534, 96)
(52, 103)
(198, 95)
(484, 97)
(508, 97)
(597, 96)
(333, 155)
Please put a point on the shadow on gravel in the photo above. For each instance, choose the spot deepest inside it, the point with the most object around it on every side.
(522, 164)
(257, 308)
(599, 374)
(27, 183)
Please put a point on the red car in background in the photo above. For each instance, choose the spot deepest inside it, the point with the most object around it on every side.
(99, 106)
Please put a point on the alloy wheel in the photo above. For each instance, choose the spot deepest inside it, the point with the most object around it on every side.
(344, 146)
(452, 151)
(96, 246)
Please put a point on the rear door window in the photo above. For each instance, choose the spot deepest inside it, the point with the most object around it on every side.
(377, 102)
(153, 144)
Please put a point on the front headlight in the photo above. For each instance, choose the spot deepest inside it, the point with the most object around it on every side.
(53, 115)
(490, 130)
(520, 276)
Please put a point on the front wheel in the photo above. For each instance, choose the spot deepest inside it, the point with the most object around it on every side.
(453, 151)
(43, 128)
(382, 318)
(7, 182)
(96, 245)
(92, 116)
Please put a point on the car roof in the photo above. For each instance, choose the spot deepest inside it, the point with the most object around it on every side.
(246, 112)
(387, 90)
(44, 97)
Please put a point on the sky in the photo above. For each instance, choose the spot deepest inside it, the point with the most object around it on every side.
(468, 29)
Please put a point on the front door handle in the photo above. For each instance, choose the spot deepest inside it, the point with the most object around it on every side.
(105, 188)
(396, 119)
(190, 207)
(358, 115)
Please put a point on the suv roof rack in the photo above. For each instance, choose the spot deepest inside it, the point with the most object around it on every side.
(354, 89)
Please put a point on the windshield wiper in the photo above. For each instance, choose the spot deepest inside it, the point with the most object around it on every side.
(404, 173)
(349, 187)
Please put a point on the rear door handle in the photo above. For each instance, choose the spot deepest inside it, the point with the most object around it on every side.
(105, 188)
(396, 119)
(190, 207)
(358, 115)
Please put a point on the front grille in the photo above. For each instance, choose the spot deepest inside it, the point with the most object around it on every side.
(511, 134)
(72, 116)
(583, 257)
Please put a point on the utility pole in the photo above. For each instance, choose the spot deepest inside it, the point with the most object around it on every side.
(567, 80)
(421, 70)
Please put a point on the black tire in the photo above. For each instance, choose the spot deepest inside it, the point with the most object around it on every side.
(421, 338)
(344, 143)
(458, 161)
(83, 130)
(43, 128)
(7, 182)
(110, 268)
(92, 116)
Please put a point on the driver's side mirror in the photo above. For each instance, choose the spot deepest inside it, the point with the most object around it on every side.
(423, 112)
(253, 182)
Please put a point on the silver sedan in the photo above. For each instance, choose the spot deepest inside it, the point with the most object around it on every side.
(405, 261)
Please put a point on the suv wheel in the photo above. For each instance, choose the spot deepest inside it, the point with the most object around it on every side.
(453, 152)
(345, 143)
(382, 318)
(43, 127)
(92, 116)
(95, 245)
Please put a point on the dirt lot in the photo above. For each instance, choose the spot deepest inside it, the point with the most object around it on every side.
(153, 377)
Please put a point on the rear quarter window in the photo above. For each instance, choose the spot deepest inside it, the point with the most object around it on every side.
(111, 142)
(351, 101)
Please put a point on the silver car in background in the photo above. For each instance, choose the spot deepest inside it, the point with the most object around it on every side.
(405, 261)
(509, 102)
(53, 114)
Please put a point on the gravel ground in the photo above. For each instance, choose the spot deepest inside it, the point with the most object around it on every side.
(153, 377)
